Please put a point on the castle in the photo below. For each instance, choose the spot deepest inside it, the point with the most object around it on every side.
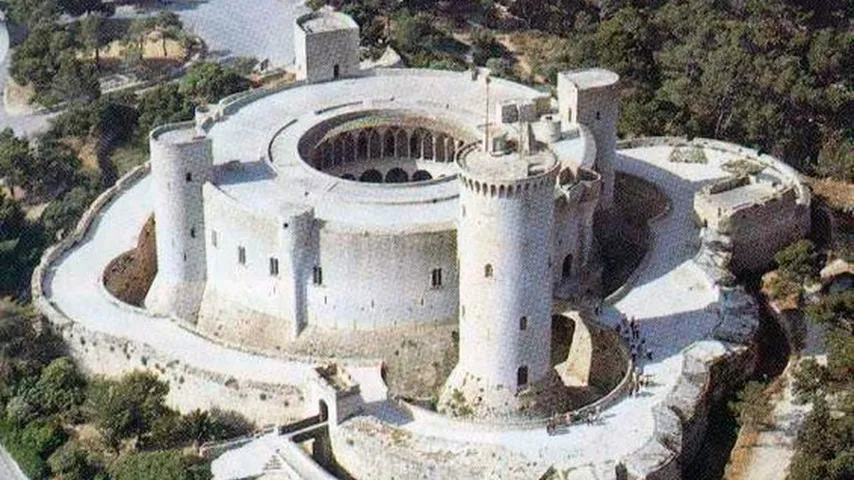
(414, 205)
(312, 237)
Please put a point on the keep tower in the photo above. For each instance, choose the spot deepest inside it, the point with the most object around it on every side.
(181, 163)
(590, 97)
(504, 243)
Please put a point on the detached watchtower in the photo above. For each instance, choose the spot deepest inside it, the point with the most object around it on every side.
(504, 243)
(326, 45)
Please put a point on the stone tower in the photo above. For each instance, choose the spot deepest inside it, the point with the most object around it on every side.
(504, 243)
(591, 98)
(326, 45)
(181, 162)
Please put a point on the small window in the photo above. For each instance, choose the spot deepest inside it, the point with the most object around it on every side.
(336, 71)
(487, 270)
(192, 232)
(522, 377)
(241, 255)
(274, 267)
(317, 275)
(598, 116)
(189, 177)
(523, 323)
(436, 277)
(214, 238)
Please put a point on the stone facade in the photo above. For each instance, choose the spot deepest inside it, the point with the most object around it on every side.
(327, 46)
(591, 97)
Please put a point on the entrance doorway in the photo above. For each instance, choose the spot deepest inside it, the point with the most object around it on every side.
(336, 71)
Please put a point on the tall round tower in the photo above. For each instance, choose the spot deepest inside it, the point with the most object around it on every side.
(181, 162)
(504, 243)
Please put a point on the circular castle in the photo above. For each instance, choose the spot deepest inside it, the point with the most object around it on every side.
(307, 237)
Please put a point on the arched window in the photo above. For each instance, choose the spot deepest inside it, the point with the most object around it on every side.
(396, 175)
(421, 175)
(566, 269)
(487, 270)
(371, 176)
(188, 177)
(523, 323)
(522, 376)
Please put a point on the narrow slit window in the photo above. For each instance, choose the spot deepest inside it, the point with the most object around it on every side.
(487, 270)
(436, 278)
(241, 255)
(214, 238)
(274, 267)
(523, 323)
(317, 275)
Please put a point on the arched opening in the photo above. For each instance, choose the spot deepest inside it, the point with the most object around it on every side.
(389, 150)
(428, 146)
(415, 145)
(375, 144)
(421, 175)
(362, 146)
(371, 176)
(349, 148)
(522, 377)
(402, 144)
(323, 411)
(328, 155)
(566, 269)
(441, 152)
(338, 151)
(487, 270)
(396, 175)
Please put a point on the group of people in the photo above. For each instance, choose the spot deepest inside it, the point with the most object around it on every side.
(629, 330)
(566, 419)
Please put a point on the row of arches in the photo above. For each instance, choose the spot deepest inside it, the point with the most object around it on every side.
(394, 175)
(393, 142)
(503, 191)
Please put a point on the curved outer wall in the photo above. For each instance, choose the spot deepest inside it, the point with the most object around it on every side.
(512, 234)
(375, 279)
(179, 217)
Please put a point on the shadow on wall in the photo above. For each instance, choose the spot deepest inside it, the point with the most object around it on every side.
(237, 172)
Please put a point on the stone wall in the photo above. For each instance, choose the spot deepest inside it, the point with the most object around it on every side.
(97, 353)
(368, 448)
(760, 229)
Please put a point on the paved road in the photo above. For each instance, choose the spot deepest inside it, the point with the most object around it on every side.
(8, 468)
(238, 28)
(27, 125)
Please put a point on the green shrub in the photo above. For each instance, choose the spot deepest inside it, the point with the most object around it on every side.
(163, 465)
